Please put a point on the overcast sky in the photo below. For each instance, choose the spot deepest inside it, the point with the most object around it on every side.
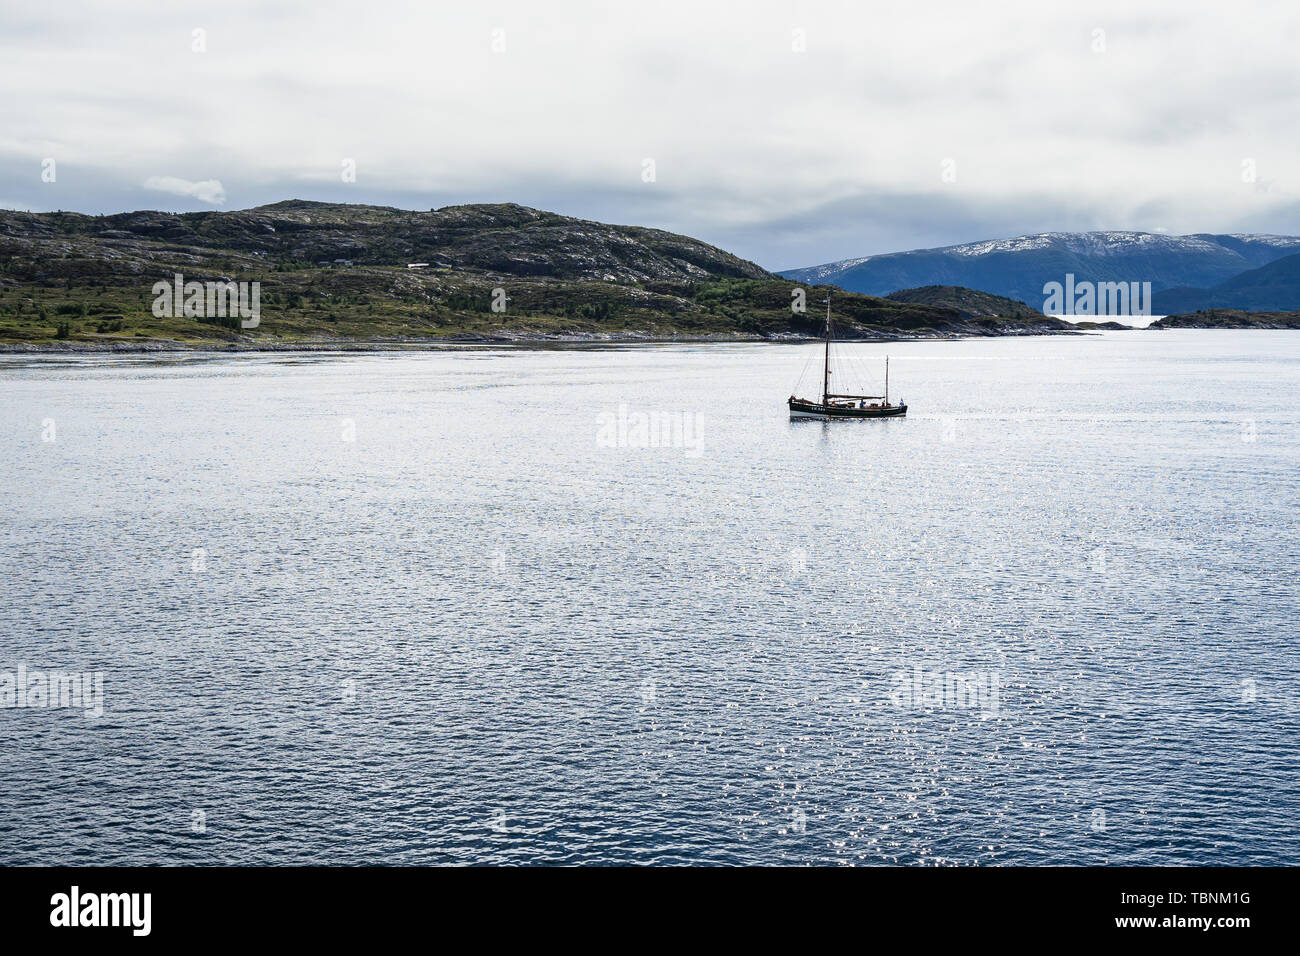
(790, 132)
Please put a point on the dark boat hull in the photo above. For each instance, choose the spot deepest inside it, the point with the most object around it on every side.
(802, 409)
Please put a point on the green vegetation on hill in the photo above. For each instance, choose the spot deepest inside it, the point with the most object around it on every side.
(330, 271)
(1229, 319)
(969, 303)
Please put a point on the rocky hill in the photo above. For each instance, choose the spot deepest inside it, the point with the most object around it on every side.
(333, 273)
(968, 303)
(505, 239)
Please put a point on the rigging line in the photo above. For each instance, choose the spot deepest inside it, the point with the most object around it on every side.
(850, 370)
(808, 362)
(849, 384)
(868, 375)
(864, 373)
(848, 381)
(845, 361)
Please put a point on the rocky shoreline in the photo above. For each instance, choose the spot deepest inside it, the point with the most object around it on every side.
(128, 347)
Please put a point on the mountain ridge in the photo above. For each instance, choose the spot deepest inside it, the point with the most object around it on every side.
(1018, 267)
(487, 237)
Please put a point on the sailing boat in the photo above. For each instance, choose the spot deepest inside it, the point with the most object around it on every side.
(833, 405)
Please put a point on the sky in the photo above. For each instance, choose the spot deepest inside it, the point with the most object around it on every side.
(791, 133)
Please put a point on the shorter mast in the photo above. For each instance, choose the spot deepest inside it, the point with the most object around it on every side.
(886, 379)
(826, 367)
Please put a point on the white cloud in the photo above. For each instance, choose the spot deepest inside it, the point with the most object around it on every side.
(750, 137)
(209, 190)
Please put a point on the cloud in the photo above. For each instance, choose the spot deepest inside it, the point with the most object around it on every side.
(785, 153)
(209, 190)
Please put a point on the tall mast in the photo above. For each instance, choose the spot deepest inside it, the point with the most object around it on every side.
(886, 379)
(826, 367)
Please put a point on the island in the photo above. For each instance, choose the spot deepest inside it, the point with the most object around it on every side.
(1229, 319)
(341, 276)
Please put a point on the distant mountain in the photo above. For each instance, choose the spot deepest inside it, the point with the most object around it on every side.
(1019, 268)
(968, 303)
(1271, 288)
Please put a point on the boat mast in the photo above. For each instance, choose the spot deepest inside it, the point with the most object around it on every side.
(886, 379)
(826, 367)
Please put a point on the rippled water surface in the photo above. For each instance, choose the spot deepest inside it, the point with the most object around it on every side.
(432, 607)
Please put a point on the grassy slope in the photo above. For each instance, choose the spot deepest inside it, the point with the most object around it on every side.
(356, 303)
(969, 302)
(94, 276)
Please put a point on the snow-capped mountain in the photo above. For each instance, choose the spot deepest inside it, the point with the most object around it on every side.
(1019, 267)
